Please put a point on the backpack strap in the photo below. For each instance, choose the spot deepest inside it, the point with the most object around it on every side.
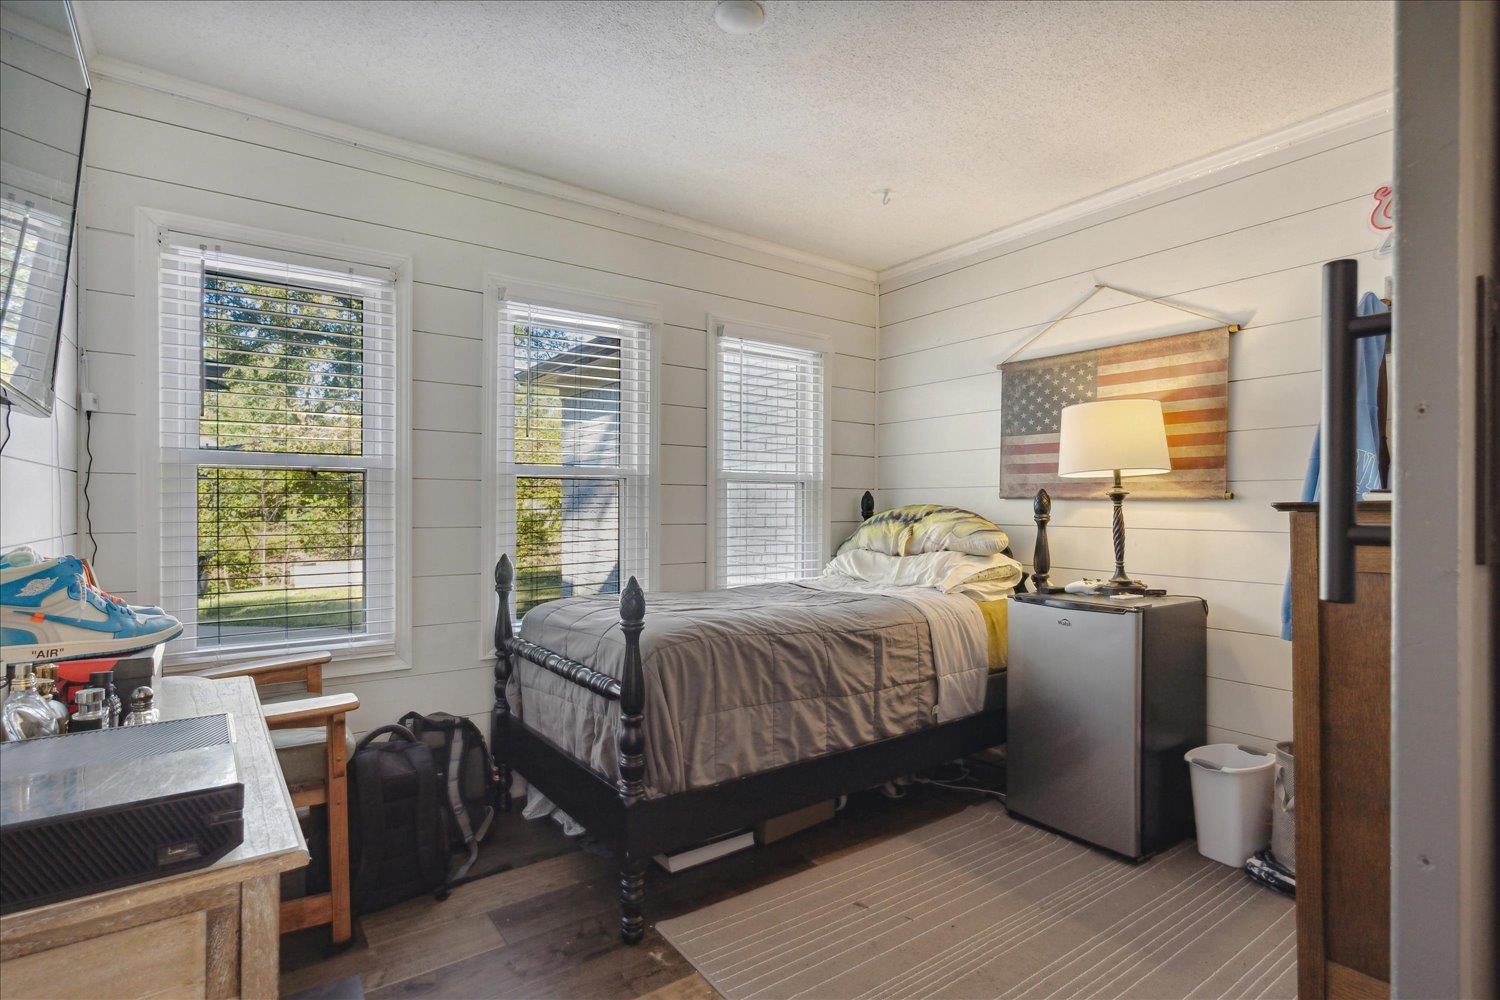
(456, 804)
(391, 730)
(471, 731)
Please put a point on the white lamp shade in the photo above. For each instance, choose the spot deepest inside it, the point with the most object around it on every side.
(1108, 434)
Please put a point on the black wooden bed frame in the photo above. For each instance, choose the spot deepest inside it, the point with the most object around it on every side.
(635, 827)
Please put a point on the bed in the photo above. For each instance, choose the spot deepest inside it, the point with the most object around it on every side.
(635, 731)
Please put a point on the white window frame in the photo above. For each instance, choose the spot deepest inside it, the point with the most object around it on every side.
(498, 290)
(719, 326)
(152, 226)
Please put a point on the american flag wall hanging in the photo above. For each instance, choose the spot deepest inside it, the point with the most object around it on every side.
(1189, 373)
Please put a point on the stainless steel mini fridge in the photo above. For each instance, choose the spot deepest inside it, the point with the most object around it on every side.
(1104, 699)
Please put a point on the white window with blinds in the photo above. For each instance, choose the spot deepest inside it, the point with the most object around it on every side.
(769, 456)
(278, 435)
(573, 448)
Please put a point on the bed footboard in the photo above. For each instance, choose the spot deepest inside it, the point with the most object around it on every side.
(629, 690)
(630, 738)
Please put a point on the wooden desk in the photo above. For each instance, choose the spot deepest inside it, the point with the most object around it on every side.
(209, 933)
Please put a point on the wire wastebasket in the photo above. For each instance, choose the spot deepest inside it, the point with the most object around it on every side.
(1284, 809)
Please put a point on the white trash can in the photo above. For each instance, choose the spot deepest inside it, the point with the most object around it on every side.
(1231, 801)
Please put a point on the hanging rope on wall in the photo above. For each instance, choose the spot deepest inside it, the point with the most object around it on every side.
(1100, 286)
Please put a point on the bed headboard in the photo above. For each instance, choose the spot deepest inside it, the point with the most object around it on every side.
(1040, 556)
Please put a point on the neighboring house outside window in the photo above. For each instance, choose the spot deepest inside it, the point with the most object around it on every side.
(769, 455)
(277, 450)
(573, 435)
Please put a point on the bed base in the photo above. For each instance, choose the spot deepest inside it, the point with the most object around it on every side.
(635, 827)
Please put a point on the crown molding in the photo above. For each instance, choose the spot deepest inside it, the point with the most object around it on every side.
(1230, 158)
(108, 67)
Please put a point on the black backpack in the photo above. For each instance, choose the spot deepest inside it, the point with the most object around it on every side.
(398, 845)
(468, 776)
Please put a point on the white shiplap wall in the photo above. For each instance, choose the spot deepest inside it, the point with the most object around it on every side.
(1246, 243)
(150, 150)
(39, 466)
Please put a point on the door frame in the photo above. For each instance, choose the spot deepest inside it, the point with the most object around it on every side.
(1444, 683)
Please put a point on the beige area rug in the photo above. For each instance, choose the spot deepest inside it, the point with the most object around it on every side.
(982, 905)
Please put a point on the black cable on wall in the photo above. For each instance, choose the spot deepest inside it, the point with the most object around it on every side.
(88, 473)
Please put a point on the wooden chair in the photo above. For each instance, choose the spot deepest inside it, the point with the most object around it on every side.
(311, 737)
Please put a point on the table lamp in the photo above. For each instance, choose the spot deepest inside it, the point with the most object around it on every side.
(1114, 438)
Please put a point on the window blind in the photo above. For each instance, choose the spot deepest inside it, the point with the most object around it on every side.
(33, 268)
(573, 433)
(769, 434)
(278, 448)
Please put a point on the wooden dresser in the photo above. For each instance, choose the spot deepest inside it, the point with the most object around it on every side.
(209, 933)
(1341, 725)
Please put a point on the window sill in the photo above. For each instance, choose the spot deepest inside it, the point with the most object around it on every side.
(366, 665)
(347, 664)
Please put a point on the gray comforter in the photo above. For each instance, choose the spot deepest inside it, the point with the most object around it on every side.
(737, 681)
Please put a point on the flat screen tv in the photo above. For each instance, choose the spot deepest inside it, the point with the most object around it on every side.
(44, 103)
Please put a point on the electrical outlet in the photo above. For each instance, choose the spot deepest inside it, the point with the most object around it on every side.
(88, 402)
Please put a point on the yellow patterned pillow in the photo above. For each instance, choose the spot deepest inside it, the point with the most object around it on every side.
(927, 527)
(888, 531)
(953, 530)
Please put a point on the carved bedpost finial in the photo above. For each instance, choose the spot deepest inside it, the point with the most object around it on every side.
(1041, 556)
(867, 506)
(632, 604)
(1042, 506)
(505, 574)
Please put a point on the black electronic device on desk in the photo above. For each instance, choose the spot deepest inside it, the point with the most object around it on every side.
(92, 811)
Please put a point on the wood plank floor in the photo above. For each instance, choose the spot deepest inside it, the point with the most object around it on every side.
(547, 925)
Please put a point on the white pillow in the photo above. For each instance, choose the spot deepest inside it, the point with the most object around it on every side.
(984, 577)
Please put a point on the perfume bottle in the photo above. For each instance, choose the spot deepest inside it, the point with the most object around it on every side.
(113, 708)
(46, 687)
(26, 713)
(5, 682)
(90, 715)
(143, 708)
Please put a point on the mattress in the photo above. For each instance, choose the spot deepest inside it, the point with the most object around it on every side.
(753, 678)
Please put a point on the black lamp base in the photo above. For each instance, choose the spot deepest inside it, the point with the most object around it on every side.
(1131, 588)
(1122, 587)
(1121, 584)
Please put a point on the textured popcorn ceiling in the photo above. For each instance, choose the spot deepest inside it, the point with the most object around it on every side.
(975, 115)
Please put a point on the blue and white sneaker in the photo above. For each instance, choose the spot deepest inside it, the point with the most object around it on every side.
(51, 609)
